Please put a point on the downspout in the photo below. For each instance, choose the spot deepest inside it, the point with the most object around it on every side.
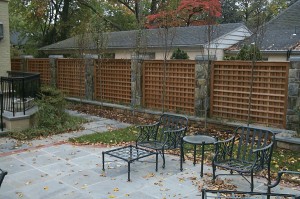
(288, 54)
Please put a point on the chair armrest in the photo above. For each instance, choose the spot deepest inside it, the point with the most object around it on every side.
(147, 132)
(263, 156)
(224, 149)
(279, 175)
(172, 138)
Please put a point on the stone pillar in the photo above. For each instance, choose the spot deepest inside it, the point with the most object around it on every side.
(136, 81)
(293, 106)
(201, 86)
(53, 69)
(24, 64)
(89, 63)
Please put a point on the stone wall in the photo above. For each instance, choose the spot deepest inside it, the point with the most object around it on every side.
(293, 107)
(5, 42)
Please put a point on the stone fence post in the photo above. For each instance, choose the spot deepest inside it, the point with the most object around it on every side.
(293, 106)
(53, 69)
(89, 63)
(202, 85)
(24, 63)
(136, 81)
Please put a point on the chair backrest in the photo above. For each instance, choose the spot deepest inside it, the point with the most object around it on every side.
(170, 123)
(248, 139)
(2, 175)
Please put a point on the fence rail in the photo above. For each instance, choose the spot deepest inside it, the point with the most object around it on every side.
(231, 90)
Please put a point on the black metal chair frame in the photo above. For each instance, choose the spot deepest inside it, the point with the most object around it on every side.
(163, 135)
(248, 151)
(219, 194)
(2, 175)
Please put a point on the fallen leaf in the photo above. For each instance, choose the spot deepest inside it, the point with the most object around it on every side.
(116, 189)
(46, 188)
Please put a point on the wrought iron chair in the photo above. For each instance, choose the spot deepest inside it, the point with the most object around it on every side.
(163, 135)
(2, 175)
(219, 194)
(248, 151)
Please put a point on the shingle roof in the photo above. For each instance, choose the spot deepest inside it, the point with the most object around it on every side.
(179, 36)
(279, 33)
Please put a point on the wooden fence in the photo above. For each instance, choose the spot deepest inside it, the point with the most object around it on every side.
(70, 77)
(112, 80)
(169, 87)
(41, 66)
(231, 88)
(16, 64)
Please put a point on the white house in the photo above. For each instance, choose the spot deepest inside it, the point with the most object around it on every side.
(155, 43)
(279, 39)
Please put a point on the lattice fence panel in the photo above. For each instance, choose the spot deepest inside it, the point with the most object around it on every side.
(177, 93)
(16, 64)
(42, 66)
(230, 91)
(113, 81)
(71, 77)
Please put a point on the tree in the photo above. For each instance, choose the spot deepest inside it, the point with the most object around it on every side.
(179, 54)
(230, 12)
(249, 52)
(188, 12)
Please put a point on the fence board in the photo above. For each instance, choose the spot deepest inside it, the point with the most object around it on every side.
(231, 87)
(16, 64)
(41, 66)
(173, 91)
(71, 77)
(113, 80)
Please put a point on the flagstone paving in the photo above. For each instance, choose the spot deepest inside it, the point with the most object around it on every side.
(53, 169)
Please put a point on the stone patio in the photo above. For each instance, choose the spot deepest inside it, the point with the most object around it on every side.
(52, 168)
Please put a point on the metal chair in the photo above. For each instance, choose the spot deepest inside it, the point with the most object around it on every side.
(163, 135)
(248, 151)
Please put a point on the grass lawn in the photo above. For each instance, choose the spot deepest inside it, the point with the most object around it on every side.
(114, 137)
(282, 159)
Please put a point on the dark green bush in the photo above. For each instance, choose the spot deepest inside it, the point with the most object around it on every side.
(50, 118)
(247, 52)
(179, 54)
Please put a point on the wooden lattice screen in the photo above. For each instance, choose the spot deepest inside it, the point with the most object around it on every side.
(41, 66)
(16, 64)
(113, 81)
(71, 77)
(230, 90)
(177, 93)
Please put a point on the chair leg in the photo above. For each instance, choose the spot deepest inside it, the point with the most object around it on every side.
(214, 171)
(269, 175)
(252, 183)
(163, 156)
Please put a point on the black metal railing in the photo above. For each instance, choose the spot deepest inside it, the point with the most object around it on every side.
(19, 90)
(1, 106)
